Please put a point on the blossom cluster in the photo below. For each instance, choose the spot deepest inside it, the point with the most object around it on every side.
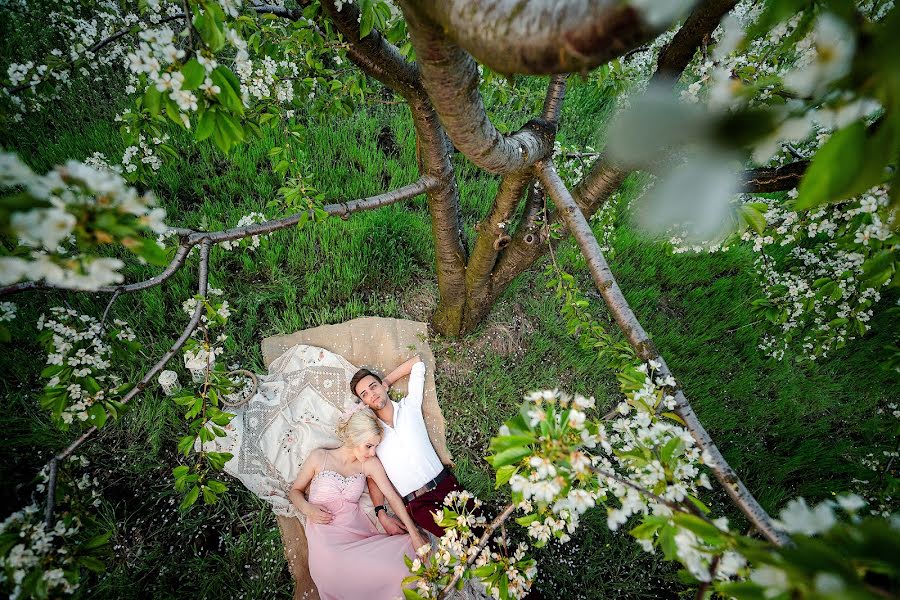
(815, 269)
(495, 568)
(46, 556)
(250, 243)
(80, 384)
(71, 209)
(791, 574)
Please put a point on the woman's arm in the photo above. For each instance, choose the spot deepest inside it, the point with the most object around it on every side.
(391, 525)
(314, 512)
(374, 469)
(401, 371)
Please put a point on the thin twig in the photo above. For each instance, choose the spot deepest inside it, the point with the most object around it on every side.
(109, 306)
(485, 538)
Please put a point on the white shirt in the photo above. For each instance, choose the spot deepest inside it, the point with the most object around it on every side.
(405, 450)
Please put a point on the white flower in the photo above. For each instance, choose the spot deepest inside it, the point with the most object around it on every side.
(797, 517)
(850, 502)
(774, 580)
(42, 227)
(830, 59)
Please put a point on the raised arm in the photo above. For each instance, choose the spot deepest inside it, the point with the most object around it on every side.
(375, 470)
(297, 494)
(402, 371)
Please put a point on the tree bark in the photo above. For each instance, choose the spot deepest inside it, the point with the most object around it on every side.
(539, 36)
(605, 177)
(381, 60)
(494, 231)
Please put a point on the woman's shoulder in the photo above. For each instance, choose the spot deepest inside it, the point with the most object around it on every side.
(372, 465)
(316, 456)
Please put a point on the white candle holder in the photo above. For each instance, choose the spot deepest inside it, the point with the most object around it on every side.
(199, 375)
(168, 381)
(198, 363)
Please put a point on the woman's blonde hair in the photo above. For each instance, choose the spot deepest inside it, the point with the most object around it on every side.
(359, 427)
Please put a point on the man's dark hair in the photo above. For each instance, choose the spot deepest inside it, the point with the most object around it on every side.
(359, 376)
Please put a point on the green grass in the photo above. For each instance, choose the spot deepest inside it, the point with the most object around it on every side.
(788, 429)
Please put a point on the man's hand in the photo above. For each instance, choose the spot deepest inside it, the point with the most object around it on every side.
(392, 525)
(317, 514)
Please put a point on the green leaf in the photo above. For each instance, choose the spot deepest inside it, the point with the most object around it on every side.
(752, 214)
(217, 486)
(173, 112)
(879, 268)
(704, 530)
(152, 252)
(180, 471)
(97, 541)
(528, 519)
(230, 94)
(367, 18)
(832, 174)
(194, 74)
(97, 415)
(186, 444)
(153, 100)
(504, 442)
(231, 127)
(205, 125)
(509, 456)
(92, 564)
(209, 496)
(412, 594)
(504, 474)
(190, 498)
(673, 416)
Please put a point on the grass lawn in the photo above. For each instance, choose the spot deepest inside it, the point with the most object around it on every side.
(788, 429)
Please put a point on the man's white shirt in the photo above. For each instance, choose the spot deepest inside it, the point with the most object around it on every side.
(405, 450)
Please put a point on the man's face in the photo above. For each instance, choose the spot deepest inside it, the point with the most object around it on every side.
(372, 392)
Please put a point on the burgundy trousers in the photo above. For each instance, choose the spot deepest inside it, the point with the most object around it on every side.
(420, 508)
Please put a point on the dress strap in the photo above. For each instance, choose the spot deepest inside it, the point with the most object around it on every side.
(324, 460)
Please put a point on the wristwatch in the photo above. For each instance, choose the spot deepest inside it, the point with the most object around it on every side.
(379, 507)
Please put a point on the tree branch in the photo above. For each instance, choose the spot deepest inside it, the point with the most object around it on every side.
(192, 238)
(536, 37)
(604, 177)
(495, 231)
(482, 542)
(640, 341)
(374, 54)
(450, 77)
(773, 179)
(679, 52)
(203, 280)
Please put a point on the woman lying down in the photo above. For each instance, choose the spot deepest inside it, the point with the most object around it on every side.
(348, 557)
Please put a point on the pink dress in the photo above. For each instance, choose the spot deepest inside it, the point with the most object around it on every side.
(348, 558)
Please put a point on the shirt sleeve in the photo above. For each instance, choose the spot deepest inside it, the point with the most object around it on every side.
(416, 387)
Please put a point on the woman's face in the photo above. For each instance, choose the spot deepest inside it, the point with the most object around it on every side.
(366, 450)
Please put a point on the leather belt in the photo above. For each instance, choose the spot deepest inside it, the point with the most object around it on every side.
(430, 485)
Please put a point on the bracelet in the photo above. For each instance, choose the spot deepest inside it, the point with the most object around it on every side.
(379, 507)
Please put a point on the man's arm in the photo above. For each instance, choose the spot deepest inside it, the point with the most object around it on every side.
(392, 525)
(402, 371)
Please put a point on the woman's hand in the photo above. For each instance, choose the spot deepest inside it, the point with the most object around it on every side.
(418, 540)
(317, 513)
